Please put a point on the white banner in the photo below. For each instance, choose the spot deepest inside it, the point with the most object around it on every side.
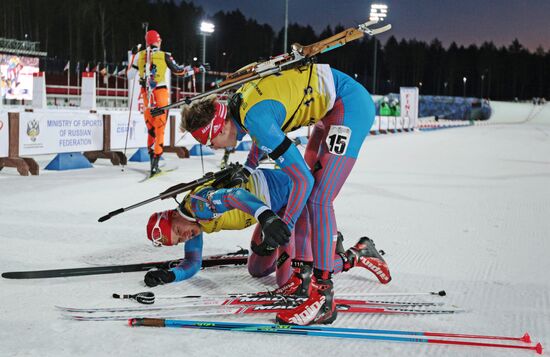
(88, 87)
(409, 106)
(137, 132)
(392, 123)
(48, 132)
(376, 124)
(4, 134)
(384, 123)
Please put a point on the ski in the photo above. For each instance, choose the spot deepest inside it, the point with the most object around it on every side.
(247, 309)
(148, 298)
(160, 174)
(322, 331)
(237, 258)
(245, 301)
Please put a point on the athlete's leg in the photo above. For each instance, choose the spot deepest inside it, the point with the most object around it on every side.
(260, 266)
(314, 141)
(346, 127)
(161, 96)
(148, 122)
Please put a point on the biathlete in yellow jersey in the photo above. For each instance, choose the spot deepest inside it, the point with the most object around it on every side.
(207, 210)
(154, 91)
(343, 112)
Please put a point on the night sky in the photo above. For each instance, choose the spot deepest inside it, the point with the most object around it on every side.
(462, 21)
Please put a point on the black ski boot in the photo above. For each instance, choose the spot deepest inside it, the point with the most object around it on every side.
(155, 165)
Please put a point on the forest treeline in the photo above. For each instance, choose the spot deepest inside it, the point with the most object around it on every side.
(102, 31)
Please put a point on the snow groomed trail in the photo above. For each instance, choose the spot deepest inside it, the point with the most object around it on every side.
(465, 210)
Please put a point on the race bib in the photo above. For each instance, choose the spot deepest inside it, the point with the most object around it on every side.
(338, 139)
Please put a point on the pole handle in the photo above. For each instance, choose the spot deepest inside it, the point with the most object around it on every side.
(110, 215)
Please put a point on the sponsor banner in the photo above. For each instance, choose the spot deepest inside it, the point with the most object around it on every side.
(409, 106)
(4, 134)
(51, 132)
(137, 130)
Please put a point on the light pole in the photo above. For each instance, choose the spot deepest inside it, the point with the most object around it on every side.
(464, 79)
(286, 26)
(206, 29)
(481, 91)
(378, 12)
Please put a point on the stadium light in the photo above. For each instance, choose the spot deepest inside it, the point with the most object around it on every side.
(378, 12)
(464, 79)
(206, 29)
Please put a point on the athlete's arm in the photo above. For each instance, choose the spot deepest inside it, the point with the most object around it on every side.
(263, 122)
(254, 156)
(175, 68)
(192, 261)
(209, 203)
(132, 69)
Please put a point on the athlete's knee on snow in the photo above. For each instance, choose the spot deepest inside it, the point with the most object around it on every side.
(259, 267)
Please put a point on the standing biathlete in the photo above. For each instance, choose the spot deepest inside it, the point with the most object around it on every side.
(208, 209)
(267, 108)
(151, 65)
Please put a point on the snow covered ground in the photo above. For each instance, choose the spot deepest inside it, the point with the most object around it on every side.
(465, 210)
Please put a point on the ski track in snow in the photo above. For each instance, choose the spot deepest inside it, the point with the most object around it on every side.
(465, 210)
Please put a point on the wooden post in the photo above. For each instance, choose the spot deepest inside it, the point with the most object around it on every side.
(116, 157)
(182, 152)
(24, 165)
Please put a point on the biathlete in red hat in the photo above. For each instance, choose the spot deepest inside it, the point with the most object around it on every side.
(151, 64)
(207, 210)
(343, 112)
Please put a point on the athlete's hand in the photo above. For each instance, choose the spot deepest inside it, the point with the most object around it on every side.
(275, 232)
(136, 48)
(159, 277)
(239, 177)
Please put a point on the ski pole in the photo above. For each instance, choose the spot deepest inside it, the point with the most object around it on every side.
(131, 101)
(525, 338)
(436, 293)
(311, 331)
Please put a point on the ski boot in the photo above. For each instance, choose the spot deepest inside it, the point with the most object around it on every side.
(155, 165)
(299, 283)
(319, 308)
(364, 254)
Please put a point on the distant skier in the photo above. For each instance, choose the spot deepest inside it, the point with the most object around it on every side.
(208, 210)
(151, 64)
(267, 108)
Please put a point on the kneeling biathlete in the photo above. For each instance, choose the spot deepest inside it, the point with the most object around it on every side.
(208, 210)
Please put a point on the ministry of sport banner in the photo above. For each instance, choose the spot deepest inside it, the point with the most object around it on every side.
(51, 132)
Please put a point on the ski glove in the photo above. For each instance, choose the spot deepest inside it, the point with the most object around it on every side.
(275, 232)
(159, 277)
(262, 249)
(239, 177)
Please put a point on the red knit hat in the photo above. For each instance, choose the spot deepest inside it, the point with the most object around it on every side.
(159, 226)
(151, 37)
